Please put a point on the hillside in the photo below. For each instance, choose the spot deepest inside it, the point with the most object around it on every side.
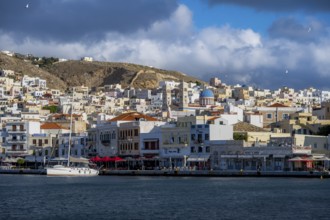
(22, 67)
(63, 75)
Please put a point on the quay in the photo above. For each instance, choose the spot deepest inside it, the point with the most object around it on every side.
(23, 171)
(215, 173)
(187, 173)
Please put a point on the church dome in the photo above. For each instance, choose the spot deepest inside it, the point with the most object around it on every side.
(206, 94)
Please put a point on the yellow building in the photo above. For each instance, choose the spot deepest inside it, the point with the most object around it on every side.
(319, 144)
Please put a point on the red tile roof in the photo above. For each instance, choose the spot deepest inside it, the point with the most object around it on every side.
(51, 125)
(133, 116)
(277, 105)
(213, 118)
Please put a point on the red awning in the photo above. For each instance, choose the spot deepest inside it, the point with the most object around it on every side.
(96, 159)
(116, 159)
(106, 159)
(109, 159)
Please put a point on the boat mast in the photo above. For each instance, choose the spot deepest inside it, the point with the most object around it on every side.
(70, 134)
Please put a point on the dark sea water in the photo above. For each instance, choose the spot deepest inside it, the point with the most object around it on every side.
(111, 197)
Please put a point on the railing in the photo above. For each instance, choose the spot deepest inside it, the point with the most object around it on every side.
(16, 151)
(16, 140)
(16, 130)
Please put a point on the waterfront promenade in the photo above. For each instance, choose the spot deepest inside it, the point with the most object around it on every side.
(184, 173)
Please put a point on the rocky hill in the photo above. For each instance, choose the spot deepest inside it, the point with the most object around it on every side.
(63, 75)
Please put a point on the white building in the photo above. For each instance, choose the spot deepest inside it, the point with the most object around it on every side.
(16, 135)
(88, 59)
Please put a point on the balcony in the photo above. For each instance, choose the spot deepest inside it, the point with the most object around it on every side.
(17, 152)
(148, 151)
(18, 141)
(16, 131)
(199, 142)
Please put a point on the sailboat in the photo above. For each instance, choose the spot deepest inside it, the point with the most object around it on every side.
(75, 166)
(73, 170)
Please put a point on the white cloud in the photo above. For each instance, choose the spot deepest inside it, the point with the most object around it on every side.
(243, 54)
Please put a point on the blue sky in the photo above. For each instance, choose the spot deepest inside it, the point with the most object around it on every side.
(267, 44)
(205, 15)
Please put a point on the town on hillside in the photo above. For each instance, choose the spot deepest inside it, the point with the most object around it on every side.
(179, 125)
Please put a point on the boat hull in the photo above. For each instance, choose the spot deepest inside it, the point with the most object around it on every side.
(71, 171)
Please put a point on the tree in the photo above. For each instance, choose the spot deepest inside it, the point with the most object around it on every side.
(51, 108)
(240, 136)
(20, 162)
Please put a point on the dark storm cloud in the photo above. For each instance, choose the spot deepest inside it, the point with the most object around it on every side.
(298, 79)
(72, 20)
(279, 5)
(290, 28)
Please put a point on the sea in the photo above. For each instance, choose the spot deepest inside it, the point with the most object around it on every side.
(137, 197)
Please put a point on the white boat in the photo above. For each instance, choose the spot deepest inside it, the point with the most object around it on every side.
(60, 170)
(75, 166)
(81, 169)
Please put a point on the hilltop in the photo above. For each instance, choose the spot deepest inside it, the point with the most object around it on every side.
(62, 75)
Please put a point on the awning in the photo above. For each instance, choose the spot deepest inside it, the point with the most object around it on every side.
(229, 156)
(198, 158)
(301, 159)
(79, 160)
(72, 159)
(11, 160)
(322, 159)
(96, 159)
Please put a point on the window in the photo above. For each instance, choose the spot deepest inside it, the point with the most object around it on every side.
(207, 136)
(207, 149)
(46, 141)
(315, 145)
(207, 126)
(269, 116)
(285, 116)
(200, 138)
(34, 141)
(192, 149)
(200, 150)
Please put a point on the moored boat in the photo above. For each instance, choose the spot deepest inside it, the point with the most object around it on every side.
(60, 170)
(77, 167)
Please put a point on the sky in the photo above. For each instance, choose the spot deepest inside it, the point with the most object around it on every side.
(265, 44)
